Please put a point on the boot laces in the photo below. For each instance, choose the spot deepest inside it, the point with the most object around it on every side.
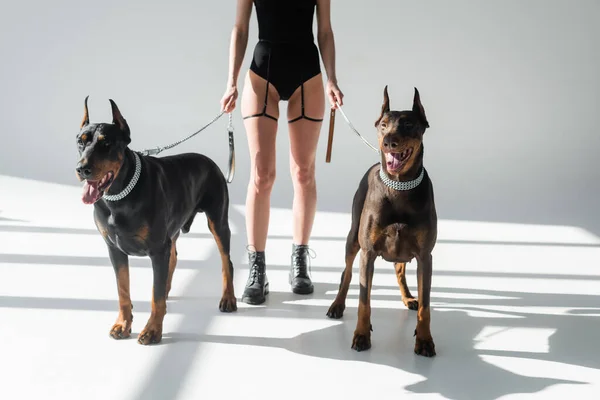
(256, 263)
(300, 256)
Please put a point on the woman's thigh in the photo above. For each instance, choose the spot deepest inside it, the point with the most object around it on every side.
(304, 133)
(260, 130)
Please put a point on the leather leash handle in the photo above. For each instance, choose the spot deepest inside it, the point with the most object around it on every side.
(330, 139)
(231, 171)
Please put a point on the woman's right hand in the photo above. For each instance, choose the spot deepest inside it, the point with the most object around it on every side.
(228, 99)
(335, 94)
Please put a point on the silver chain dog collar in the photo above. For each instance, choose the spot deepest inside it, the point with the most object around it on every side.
(397, 185)
(132, 183)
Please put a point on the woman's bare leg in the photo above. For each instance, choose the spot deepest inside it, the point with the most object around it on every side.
(304, 138)
(261, 132)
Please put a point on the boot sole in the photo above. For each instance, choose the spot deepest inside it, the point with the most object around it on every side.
(256, 300)
(307, 290)
(300, 290)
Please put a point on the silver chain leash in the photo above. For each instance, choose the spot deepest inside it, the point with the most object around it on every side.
(231, 172)
(354, 129)
(156, 150)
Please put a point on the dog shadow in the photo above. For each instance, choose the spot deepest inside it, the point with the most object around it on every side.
(459, 370)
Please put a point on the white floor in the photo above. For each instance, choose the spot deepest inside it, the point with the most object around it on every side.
(515, 315)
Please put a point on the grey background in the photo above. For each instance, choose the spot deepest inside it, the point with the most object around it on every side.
(511, 90)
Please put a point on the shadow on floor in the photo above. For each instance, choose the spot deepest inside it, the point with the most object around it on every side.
(458, 371)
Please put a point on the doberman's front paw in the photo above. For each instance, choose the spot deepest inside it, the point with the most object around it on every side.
(361, 342)
(121, 330)
(424, 347)
(336, 311)
(228, 303)
(151, 334)
(411, 303)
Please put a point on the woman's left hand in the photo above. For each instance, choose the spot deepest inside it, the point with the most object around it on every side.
(335, 94)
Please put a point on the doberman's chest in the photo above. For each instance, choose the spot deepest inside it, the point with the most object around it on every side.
(397, 242)
(397, 233)
(128, 234)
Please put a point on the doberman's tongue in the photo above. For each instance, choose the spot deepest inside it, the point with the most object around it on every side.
(91, 194)
(392, 161)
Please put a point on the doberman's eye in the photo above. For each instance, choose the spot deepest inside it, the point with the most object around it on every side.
(383, 125)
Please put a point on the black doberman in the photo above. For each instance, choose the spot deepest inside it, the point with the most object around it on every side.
(141, 204)
(393, 217)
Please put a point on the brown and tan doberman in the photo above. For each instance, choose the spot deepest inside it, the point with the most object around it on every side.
(393, 217)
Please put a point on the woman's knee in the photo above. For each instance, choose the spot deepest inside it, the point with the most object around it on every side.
(264, 179)
(303, 175)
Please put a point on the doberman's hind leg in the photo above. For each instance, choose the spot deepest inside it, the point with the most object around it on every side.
(218, 224)
(172, 264)
(407, 298)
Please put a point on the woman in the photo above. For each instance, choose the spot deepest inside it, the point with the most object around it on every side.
(285, 66)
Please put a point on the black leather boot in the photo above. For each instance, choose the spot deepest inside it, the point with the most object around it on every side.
(299, 278)
(257, 286)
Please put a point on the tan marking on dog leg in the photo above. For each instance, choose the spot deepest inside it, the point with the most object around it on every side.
(122, 327)
(228, 301)
(172, 265)
(152, 332)
(407, 298)
(362, 333)
(336, 310)
(101, 228)
(424, 342)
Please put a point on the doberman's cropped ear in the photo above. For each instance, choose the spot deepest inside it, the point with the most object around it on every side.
(386, 105)
(418, 108)
(118, 119)
(117, 116)
(86, 116)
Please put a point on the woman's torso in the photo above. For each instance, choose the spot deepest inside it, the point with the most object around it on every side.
(285, 21)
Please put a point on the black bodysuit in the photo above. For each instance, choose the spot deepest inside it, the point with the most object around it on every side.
(285, 55)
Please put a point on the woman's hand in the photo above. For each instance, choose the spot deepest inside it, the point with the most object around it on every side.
(229, 98)
(335, 94)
